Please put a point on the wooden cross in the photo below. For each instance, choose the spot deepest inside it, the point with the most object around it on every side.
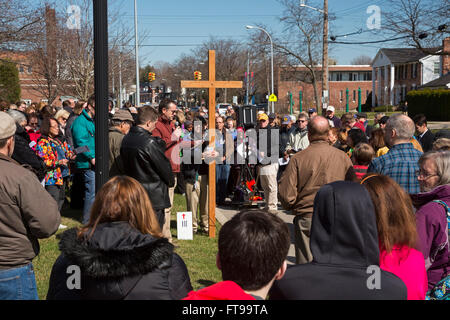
(211, 84)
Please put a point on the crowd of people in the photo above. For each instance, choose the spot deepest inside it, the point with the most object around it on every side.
(363, 196)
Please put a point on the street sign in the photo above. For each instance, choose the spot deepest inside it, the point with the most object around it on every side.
(273, 98)
(184, 226)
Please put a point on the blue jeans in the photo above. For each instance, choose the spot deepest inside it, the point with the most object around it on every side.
(222, 174)
(18, 284)
(89, 194)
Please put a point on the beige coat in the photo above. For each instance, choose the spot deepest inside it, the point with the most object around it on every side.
(27, 213)
(308, 171)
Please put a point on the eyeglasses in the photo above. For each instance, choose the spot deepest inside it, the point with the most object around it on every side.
(302, 121)
(33, 123)
(423, 175)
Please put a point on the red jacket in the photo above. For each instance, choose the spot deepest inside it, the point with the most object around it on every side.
(225, 290)
(164, 130)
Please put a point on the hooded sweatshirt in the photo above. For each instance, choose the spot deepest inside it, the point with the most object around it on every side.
(344, 245)
(225, 290)
(431, 221)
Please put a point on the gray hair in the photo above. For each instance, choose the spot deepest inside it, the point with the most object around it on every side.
(18, 116)
(403, 126)
(441, 144)
(442, 161)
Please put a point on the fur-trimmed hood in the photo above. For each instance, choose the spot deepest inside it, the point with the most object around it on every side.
(116, 250)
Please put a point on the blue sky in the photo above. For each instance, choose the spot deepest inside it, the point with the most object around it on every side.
(180, 22)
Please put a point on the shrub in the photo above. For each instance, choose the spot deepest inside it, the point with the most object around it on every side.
(384, 109)
(9, 82)
(435, 104)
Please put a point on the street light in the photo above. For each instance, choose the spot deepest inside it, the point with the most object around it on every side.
(271, 50)
(325, 47)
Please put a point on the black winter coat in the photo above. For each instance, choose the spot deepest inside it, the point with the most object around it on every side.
(119, 263)
(344, 243)
(144, 160)
(24, 155)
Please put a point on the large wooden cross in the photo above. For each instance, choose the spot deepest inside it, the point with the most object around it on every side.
(211, 84)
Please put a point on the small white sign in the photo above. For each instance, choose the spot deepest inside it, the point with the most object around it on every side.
(184, 226)
(235, 100)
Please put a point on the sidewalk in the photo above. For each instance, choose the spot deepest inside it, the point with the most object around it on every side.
(223, 214)
(435, 125)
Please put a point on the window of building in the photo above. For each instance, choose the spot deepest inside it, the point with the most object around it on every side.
(341, 95)
(30, 69)
(405, 72)
(354, 95)
(21, 70)
(437, 68)
(414, 69)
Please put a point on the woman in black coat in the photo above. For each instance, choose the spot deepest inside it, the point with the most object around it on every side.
(120, 254)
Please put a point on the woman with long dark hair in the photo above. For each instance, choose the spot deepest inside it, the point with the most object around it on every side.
(397, 234)
(121, 253)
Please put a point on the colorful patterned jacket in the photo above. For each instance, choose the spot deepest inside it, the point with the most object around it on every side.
(47, 150)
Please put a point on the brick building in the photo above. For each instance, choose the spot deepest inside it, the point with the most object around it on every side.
(341, 77)
(397, 71)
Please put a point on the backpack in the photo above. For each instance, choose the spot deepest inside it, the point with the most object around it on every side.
(441, 291)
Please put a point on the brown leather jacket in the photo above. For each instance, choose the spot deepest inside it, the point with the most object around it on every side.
(307, 171)
(27, 213)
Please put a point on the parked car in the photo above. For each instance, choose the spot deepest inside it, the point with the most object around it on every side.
(222, 108)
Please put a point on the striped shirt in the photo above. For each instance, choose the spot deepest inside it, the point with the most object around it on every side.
(401, 164)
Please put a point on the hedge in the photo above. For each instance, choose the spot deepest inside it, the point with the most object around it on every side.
(434, 104)
(387, 108)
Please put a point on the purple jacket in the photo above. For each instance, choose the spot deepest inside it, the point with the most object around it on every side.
(432, 228)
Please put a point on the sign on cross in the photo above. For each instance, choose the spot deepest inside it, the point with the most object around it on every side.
(211, 84)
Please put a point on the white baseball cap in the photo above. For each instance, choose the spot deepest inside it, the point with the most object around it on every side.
(330, 108)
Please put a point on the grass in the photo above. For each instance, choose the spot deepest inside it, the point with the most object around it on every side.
(198, 254)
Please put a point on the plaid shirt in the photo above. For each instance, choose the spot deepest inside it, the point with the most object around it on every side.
(401, 164)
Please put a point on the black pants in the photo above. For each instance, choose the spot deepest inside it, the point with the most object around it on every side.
(77, 191)
(58, 193)
(160, 216)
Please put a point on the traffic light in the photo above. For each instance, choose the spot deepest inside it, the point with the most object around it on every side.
(151, 76)
(197, 75)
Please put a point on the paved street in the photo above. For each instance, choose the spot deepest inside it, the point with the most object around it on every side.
(223, 214)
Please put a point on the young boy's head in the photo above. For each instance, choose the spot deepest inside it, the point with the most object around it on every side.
(363, 154)
(253, 247)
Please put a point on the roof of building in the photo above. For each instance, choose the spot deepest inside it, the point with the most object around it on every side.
(405, 55)
(439, 82)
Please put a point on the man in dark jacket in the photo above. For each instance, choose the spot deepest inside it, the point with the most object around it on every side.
(423, 134)
(143, 159)
(345, 249)
(23, 153)
(121, 123)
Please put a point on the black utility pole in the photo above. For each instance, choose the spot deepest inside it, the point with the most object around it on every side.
(101, 92)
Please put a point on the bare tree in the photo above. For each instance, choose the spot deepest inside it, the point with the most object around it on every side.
(361, 60)
(301, 42)
(418, 23)
(19, 22)
(44, 57)
(230, 62)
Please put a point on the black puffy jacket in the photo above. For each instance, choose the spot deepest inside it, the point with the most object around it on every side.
(25, 156)
(144, 160)
(118, 263)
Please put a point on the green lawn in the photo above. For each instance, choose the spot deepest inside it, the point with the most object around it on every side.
(198, 254)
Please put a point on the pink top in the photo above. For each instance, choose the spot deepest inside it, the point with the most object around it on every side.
(409, 265)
